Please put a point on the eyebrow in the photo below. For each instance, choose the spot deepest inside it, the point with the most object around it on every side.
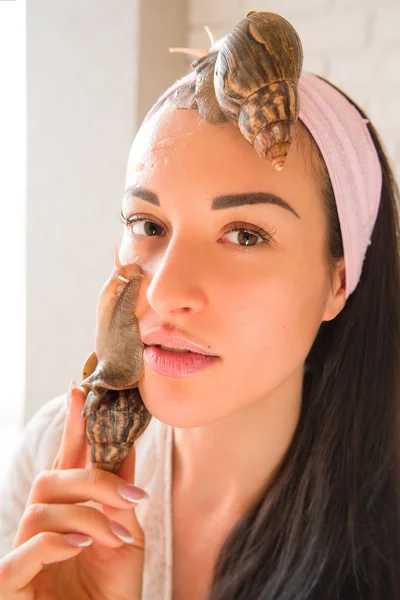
(220, 202)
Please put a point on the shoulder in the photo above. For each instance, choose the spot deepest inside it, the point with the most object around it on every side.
(41, 437)
(35, 449)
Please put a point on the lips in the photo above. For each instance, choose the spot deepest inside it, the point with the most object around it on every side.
(176, 364)
(174, 339)
(173, 350)
(164, 347)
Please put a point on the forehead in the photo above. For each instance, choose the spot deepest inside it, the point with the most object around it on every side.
(178, 145)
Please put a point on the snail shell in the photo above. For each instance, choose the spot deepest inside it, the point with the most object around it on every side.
(256, 82)
(111, 430)
(114, 411)
(250, 79)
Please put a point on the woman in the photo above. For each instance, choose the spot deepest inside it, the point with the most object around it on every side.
(273, 466)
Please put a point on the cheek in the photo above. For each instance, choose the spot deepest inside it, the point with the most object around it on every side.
(264, 335)
(274, 325)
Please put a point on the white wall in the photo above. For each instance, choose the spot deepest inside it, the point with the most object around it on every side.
(12, 223)
(80, 108)
(94, 68)
(353, 43)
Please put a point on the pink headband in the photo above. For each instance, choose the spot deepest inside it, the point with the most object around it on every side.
(346, 145)
(342, 135)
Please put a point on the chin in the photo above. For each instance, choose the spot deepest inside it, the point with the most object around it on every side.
(177, 408)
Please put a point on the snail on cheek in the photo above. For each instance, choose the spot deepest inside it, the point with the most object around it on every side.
(114, 411)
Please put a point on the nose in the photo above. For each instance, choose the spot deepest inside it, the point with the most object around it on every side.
(178, 282)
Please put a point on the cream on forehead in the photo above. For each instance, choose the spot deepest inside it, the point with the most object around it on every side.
(161, 131)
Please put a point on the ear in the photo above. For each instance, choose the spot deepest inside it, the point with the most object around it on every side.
(337, 294)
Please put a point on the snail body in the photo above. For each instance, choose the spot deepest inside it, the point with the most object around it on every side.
(114, 411)
(249, 78)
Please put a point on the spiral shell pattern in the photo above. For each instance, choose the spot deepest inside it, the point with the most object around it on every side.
(256, 76)
(113, 428)
(249, 78)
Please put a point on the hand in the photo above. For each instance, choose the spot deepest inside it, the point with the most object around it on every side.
(43, 564)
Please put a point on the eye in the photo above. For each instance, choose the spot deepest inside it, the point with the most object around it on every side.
(148, 228)
(143, 229)
(247, 235)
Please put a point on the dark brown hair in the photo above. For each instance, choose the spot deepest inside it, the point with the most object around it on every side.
(328, 526)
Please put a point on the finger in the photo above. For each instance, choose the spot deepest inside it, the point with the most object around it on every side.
(79, 485)
(127, 517)
(19, 567)
(127, 468)
(67, 518)
(73, 446)
(127, 472)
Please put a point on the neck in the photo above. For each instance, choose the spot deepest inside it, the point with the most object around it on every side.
(227, 464)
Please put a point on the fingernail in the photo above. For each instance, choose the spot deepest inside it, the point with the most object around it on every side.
(121, 532)
(72, 385)
(77, 539)
(132, 493)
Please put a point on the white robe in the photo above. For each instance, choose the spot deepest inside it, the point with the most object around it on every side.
(36, 451)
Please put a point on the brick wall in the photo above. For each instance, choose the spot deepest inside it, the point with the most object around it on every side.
(353, 43)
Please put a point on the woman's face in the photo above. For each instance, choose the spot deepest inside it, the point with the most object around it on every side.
(255, 304)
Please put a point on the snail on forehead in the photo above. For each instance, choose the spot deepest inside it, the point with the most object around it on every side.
(249, 78)
(114, 411)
